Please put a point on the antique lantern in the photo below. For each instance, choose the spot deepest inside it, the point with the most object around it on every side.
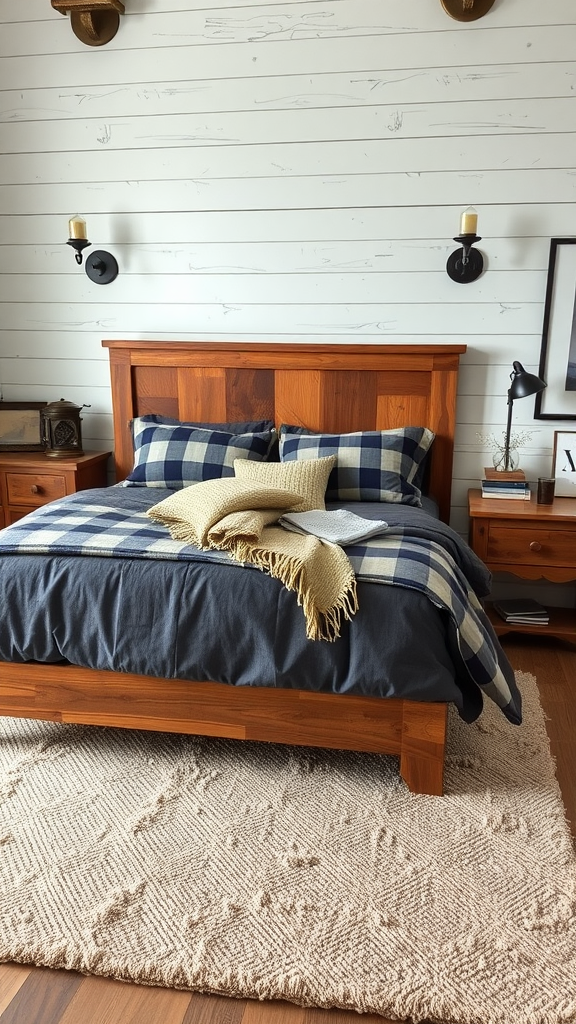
(62, 434)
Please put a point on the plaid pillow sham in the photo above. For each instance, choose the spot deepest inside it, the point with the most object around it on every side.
(372, 465)
(177, 455)
(244, 427)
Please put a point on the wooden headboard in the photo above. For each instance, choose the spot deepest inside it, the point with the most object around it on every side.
(326, 387)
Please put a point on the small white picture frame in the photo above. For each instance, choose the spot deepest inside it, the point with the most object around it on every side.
(564, 463)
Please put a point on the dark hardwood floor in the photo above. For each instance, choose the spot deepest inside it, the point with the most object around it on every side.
(42, 996)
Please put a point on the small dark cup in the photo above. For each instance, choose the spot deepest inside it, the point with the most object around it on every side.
(545, 492)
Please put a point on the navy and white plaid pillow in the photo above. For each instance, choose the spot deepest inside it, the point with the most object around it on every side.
(373, 465)
(175, 456)
(245, 427)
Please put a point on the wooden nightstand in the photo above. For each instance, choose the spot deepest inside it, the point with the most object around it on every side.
(31, 479)
(530, 541)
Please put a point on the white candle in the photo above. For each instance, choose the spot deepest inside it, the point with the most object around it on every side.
(77, 227)
(469, 222)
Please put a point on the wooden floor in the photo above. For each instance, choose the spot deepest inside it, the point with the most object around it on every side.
(41, 996)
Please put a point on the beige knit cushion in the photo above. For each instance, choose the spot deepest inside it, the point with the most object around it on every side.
(308, 477)
(191, 512)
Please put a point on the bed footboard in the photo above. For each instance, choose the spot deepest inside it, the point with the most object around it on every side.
(416, 732)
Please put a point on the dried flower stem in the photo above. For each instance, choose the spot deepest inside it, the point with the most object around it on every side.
(517, 440)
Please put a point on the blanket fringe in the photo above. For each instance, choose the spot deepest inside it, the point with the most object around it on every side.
(292, 570)
(321, 624)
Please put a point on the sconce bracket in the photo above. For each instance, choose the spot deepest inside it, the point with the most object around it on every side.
(101, 267)
(78, 244)
(94, 22)
(466, 264)
(95, 28)
(466, 10)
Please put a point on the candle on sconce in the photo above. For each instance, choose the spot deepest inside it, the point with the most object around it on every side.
(101, 267)
(77, 227)
(469, 222)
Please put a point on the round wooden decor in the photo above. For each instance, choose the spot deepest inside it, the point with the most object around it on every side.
(466, 10)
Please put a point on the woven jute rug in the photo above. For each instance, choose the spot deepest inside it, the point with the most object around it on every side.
(272, 872)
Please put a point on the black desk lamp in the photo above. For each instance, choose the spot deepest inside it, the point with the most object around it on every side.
(522, 385)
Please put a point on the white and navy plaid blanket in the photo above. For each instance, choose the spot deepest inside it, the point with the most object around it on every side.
(401, 558)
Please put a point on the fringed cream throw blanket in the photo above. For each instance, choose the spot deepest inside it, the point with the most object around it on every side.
(239, 518)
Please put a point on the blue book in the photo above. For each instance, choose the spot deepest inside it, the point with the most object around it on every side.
(505, 485)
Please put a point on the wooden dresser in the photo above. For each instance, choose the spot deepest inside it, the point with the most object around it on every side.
(530, 541)
(31, 479)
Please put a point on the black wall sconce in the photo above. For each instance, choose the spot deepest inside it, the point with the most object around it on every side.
(100, 266)
(466, 264)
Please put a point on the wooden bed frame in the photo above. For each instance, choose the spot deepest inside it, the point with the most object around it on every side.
(328, 387)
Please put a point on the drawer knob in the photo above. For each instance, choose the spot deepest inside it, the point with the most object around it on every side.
(535, 546)
(35, 489)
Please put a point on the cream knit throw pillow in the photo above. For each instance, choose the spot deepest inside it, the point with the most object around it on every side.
(191, 512)
(308, 477)
(234, 516)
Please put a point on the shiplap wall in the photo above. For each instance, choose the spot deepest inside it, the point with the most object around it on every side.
(286, 171)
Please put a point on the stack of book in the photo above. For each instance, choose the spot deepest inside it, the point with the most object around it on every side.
(523, 611)
(505, 485)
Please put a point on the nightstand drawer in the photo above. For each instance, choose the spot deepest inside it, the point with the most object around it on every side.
(29, 480)
(34, 488)
(531, 546)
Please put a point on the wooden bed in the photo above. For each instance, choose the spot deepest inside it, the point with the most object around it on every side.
(333, 388)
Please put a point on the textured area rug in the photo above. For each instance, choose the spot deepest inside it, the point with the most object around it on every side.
(279, 872)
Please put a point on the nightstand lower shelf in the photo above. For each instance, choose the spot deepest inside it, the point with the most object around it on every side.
(562, 624)
(531, 541)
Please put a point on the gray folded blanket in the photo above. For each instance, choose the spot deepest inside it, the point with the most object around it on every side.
(338, 526)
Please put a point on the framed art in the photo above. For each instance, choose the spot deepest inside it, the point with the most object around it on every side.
(21, 426)
(558, 351)
(564, 463)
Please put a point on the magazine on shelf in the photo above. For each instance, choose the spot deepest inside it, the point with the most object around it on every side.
(524, 610)
(527, 620)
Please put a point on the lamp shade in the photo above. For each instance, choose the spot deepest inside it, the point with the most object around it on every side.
(523, 383)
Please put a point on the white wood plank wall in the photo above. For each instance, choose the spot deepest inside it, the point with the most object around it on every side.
(289, 171)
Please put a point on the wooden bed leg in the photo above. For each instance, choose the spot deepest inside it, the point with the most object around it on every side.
(423, 747)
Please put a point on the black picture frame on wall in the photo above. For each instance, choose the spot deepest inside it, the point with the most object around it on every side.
(558, 351)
